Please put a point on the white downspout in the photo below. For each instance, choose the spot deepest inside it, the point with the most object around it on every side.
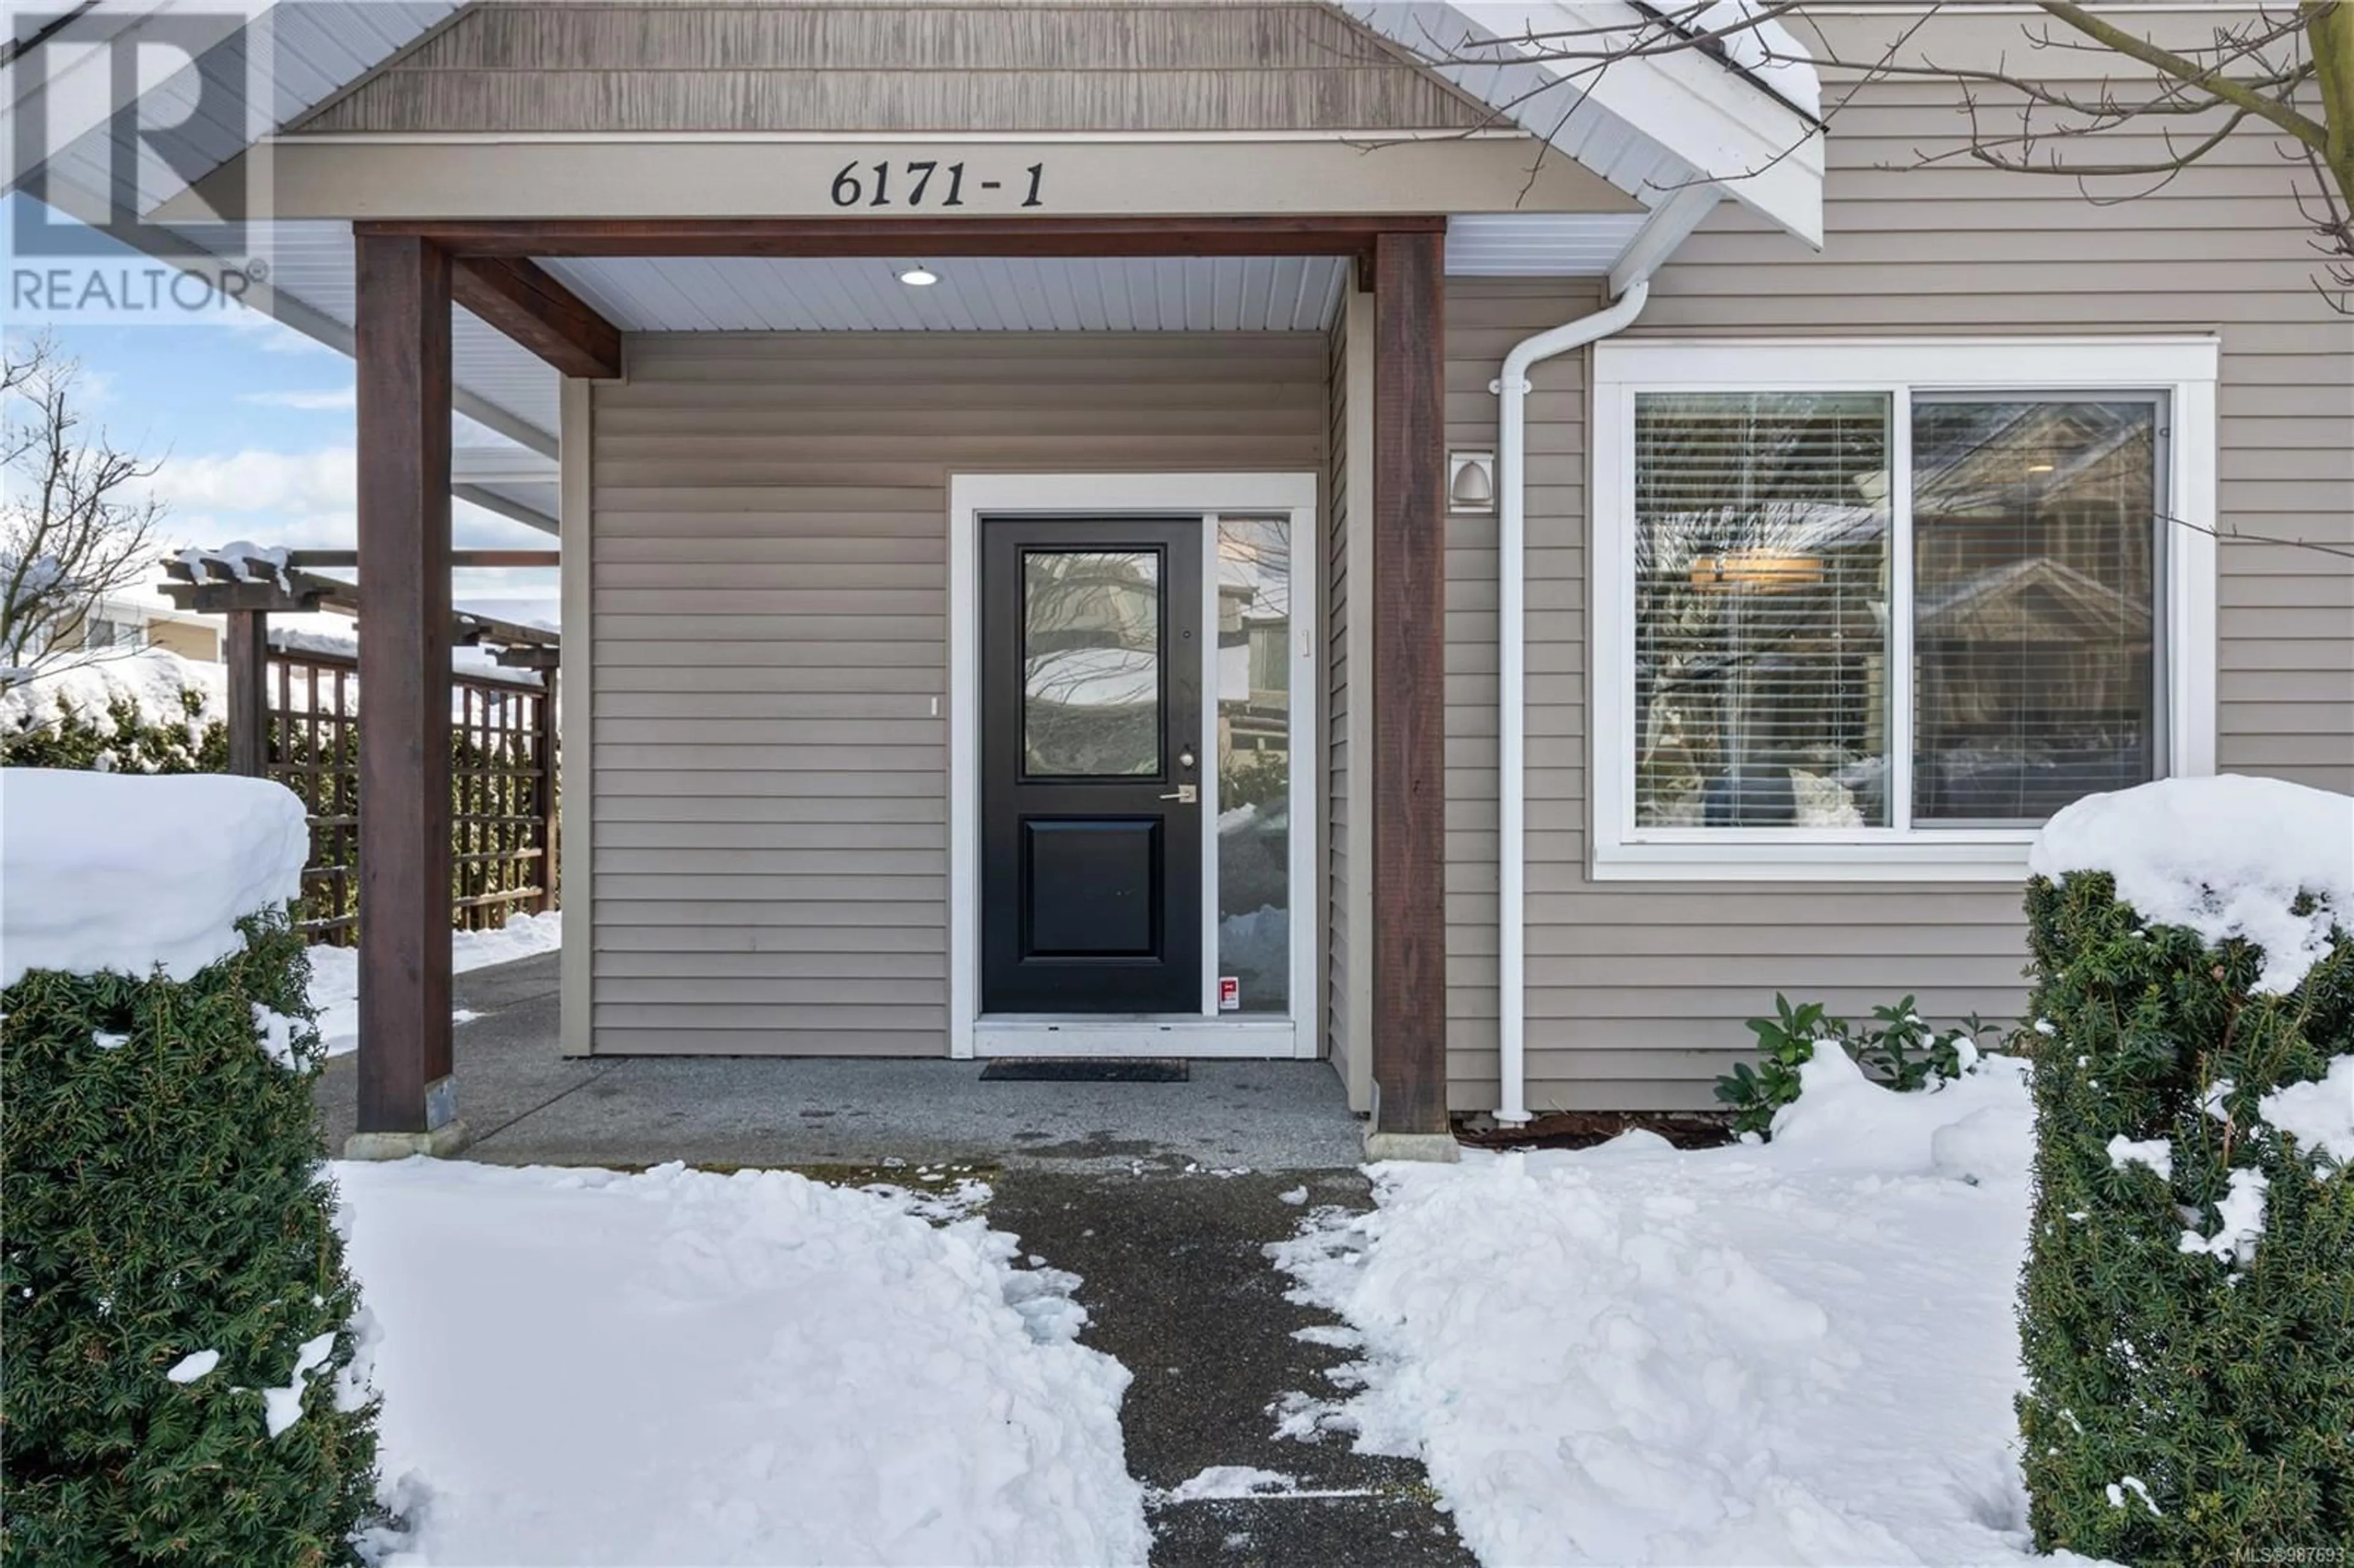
(1514, 672)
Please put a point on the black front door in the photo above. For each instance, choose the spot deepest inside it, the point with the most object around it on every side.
(1091, 739)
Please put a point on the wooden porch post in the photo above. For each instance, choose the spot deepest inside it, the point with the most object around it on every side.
(245, 651)
(1409, 800)
(406, 1098)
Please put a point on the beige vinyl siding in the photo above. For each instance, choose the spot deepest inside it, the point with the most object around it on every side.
(202, 643)
(1336, 701)
(1349, 828)
(881, 69)
(1638, 991)
(1485, 317)
(768, 582)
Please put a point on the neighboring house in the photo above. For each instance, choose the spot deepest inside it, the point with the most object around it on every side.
(119, 623)
(987, 429)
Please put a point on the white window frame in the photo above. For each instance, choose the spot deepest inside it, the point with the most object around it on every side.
(2181, 368)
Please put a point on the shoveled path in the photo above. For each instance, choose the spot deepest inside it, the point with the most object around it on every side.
(1093, 1177)
(1178, 1288)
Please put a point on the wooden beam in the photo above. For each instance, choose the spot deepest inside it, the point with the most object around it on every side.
(220, 597)
(298, 560)
(245, 653)
(403, 369)
(1409, 591)
(524, 302)
(931, 238)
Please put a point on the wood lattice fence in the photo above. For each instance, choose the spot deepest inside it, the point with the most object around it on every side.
(504, 761)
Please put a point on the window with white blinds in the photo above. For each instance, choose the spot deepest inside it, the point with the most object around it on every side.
(1765, 594)
(1893, 603)
(1761, 608)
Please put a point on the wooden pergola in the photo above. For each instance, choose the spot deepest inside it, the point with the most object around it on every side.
(245, 591)
(408, 275)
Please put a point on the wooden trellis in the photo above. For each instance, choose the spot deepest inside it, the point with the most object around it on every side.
(294, 713)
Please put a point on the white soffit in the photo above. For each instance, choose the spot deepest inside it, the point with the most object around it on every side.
(300, 52)
(1651, 124)
(1539, 244)
(1279, 293)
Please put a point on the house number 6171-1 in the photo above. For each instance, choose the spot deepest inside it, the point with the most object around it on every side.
(919, 182)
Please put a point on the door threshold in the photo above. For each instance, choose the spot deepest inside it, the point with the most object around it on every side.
(1143, 1036)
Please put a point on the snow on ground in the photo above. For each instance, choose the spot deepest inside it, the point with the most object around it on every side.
(129, 872)
(1794, 1352)
(2225, 856)
(335, 971)
(587, 1367)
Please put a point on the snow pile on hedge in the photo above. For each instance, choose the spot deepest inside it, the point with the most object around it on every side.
(2225, 857)
(335, 971)
(127, 871)
(2319, 1114)
(153, 680)
(584, 1367)
(1797, 1352)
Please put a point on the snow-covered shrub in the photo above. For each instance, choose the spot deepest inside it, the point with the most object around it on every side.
(149, 712)
(1897, 1046)
(175, 1319)
(2187, 1311)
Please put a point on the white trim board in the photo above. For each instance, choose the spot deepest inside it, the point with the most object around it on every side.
(973, 495)
(2183, 368)
(576, 711)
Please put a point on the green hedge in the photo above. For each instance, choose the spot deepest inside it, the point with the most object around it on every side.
(161, 1176)
(2183, 1406)
(127, 742)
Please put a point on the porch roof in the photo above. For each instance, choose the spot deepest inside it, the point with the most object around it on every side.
(1676, 131)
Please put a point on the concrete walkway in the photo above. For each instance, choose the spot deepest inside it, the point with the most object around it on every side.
(527, 1105)
(1162, 1198)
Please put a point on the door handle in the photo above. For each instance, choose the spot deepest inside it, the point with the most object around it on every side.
(1185, 794)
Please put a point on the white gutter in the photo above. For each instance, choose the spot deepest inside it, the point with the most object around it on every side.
(1514, 672)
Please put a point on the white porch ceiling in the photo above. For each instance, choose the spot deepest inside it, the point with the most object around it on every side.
(1283, 293)
(1256, 293)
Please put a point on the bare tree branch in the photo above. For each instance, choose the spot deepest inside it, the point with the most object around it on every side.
(75, 528)
(2260, 73)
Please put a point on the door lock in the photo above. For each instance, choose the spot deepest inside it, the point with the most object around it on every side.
(1185, 794)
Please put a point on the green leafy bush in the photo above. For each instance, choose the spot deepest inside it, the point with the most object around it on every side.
(161, 1175)
(1254, 779)
(1898, 1047)
(2190, 1373)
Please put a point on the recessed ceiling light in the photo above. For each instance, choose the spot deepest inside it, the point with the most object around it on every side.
(2039, 468)
(919, 277)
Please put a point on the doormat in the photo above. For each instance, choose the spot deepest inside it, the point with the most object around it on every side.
(1086, 1070)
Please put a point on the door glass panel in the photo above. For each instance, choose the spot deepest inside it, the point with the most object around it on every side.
(1254, 688)
(1091, 663)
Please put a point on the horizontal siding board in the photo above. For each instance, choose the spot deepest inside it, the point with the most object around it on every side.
(1638, 990)
(615, 1038)
(769, 589)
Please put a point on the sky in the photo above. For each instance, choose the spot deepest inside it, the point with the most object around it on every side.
(250, 424)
